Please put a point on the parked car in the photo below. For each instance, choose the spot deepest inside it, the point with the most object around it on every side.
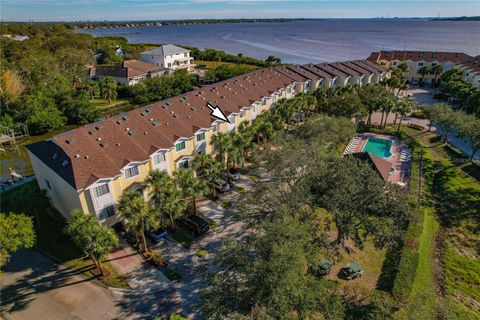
(234, 174)
(324, 268)
(194, 223)
(221, 185)
(157, 234)
(352, 271)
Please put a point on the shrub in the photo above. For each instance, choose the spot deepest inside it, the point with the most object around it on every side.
(173, 275)
(156, 259)
(202, 252)
(407, 268)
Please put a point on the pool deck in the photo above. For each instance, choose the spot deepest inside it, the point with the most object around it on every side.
(401, 176)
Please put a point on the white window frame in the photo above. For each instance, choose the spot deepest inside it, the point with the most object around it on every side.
(159, 158)
(101, 190)
(131, 169)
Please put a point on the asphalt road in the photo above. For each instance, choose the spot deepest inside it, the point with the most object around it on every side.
(34, 287)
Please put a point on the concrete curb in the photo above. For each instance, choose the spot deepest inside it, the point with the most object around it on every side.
(99, 283)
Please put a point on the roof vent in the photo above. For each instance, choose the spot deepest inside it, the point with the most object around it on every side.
(86, 157)
(131, 132)
(68, 141)
(97, 128)
(55, 156)
(145, 133)
(65, 163)
(99, 139)
(119, 121)
(118, 144)
(77, 156)
(103, 144)
(155, 123)
(125, 118)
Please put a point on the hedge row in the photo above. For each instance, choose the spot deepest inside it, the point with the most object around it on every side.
(407, 268)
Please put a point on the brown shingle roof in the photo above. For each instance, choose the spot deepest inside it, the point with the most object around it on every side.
(101, 149)
(381, 166)
(128, 69)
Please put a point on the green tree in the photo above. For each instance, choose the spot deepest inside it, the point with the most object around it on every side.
(108, 89)
(362, 204)
(469, 130)
(268, 275)
(403, 107)
(165, 198)
(41, 112)
(16, 232)
(221, 144)
(447, 120)
(209, 170)
(437, 71)
(140, 218)
(191, 186)
(423, 71)
(95, 240)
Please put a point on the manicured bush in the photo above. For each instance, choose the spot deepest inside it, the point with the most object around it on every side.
(407, 268)
(173, 274)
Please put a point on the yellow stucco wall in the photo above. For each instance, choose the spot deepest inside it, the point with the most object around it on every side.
(63, 196)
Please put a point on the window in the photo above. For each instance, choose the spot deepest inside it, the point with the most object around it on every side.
(242, 113)
(183, 164)
(101, 190)
(180, 146)
(169, 64)
(201, 136)
(48, 184)
(106, 212)
(264, 101)
(420, 64)
(185, 54)
(159, 158)
(216, 128)
(131, 172)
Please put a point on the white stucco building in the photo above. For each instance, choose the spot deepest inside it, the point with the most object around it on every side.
(169, 56)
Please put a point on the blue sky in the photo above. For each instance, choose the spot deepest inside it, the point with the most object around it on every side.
(68, 10)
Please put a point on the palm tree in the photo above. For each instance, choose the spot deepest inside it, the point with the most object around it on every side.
(190, 185)
(220, 142)
(387, 106)
(95, 240)
(437, 70)
(165, 199)
(108, 89)
(423, 71)
(403, 107)
(264, 129)
(208, 169)
(93, 90)
(138, 215)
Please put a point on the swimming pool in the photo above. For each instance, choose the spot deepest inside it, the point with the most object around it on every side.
(378, 147)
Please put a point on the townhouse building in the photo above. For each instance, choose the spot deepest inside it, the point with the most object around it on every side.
(90, 167)
(415, 60)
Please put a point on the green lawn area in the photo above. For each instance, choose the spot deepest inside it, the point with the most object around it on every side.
(453, 190)
(422, 301)
(49, 226)
(214, 64)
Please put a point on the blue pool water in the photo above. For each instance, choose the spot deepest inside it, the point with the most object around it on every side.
(378, 147)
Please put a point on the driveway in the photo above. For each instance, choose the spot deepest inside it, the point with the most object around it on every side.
(34, 287)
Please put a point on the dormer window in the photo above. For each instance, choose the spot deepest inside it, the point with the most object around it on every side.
(131, 172)
(101, 190)
(180, 146)
(200, 136)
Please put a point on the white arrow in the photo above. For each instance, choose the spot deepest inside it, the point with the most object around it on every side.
(217, 113)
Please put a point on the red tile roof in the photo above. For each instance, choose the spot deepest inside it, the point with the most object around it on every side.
(427, 56)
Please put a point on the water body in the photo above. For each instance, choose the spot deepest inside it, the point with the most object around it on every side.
(313, 41)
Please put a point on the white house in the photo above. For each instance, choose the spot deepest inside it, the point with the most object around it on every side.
(169, 56)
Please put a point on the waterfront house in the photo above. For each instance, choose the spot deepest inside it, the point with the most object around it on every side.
(170, 57)
(128, 72)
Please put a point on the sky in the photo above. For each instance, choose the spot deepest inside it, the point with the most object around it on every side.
(75, 10)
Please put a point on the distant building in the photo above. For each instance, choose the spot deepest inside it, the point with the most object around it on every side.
(169, 57)
(128, 72)
(417, 59)
(16, 38)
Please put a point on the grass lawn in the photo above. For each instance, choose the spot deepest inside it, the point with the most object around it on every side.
(49, 226)
(214, 64)
(422, 301)
(455, 197)
(370, 259)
